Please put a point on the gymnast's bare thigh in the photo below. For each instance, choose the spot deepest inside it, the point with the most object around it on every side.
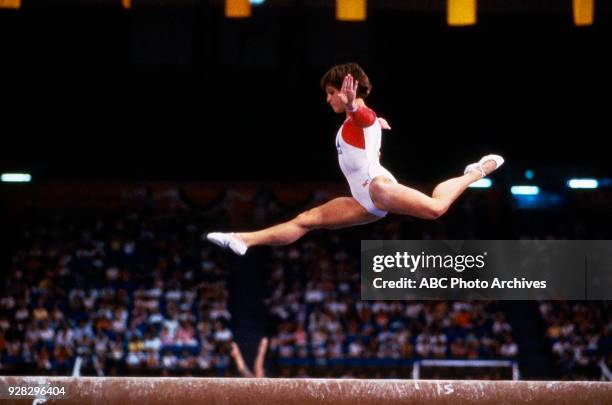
(338, 213)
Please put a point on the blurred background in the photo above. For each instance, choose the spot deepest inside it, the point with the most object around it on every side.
(129, 128)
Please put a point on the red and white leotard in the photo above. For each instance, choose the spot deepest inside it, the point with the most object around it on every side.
(358, 143)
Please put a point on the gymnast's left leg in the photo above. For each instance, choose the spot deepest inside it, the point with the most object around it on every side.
(338, 213)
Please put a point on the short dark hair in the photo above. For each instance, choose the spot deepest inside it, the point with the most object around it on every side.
(334, 77)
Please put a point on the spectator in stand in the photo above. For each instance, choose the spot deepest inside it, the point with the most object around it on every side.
(578, 333)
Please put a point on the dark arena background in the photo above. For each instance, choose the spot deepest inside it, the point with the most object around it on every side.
(131, 128)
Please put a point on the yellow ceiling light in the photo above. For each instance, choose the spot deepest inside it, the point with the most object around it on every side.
(461, 12)
(14, 4)
(351, 10)
(583, 11)
(237, 8)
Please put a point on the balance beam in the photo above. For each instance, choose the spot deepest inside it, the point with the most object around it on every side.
(281, 391)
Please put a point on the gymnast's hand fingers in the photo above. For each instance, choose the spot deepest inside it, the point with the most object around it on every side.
(347, 84)
(347, 94)
(383, 123)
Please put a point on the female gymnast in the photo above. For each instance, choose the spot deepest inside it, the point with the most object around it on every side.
(375, 192)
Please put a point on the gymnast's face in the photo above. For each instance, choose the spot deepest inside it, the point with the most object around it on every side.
(333, 99)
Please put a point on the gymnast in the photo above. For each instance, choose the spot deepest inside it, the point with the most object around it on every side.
(375, 191)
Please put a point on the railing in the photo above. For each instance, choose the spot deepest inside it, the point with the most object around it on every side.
(416, 370)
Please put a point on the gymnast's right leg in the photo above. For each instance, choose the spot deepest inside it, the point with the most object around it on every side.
(338, 213)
